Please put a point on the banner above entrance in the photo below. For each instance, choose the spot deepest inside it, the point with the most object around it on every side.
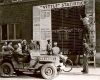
(61, 5)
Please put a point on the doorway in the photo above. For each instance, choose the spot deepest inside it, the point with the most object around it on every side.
(67, 28)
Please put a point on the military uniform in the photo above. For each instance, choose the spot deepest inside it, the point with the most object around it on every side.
(86, 51)
(49, 48)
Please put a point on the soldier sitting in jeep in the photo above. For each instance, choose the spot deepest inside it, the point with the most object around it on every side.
(28, 62)
(4, 47)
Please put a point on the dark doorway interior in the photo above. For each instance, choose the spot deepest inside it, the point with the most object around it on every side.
(67, 28)
(4, 32)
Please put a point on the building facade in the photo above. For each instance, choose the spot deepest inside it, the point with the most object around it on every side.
(58, 21)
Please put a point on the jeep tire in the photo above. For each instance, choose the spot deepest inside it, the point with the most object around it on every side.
(48, 71)
(6, 69)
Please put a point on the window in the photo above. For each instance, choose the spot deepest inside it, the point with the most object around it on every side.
(16, 0)
(11, 31)
(18, 31)
(4, 32)
(1, 1)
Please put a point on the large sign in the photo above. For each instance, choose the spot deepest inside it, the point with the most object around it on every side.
(61, 5)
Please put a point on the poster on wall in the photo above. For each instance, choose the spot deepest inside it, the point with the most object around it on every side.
(45, 23)
(42, 26)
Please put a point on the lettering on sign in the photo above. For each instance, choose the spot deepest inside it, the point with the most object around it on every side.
(61, 5)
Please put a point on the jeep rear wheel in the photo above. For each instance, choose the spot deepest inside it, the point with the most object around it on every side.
(6, 69)
(48, 71)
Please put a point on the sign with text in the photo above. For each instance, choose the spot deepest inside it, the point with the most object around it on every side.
(61, 5)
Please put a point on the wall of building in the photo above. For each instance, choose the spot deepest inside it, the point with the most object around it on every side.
(18, 13)
(21, 12)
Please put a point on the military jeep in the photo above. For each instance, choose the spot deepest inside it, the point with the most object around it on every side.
(45, 64)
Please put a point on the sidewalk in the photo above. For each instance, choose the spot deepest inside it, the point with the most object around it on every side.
(76, 74)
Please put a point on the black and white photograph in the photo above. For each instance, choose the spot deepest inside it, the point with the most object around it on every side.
(49, 40)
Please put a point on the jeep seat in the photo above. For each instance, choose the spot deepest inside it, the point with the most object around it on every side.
(21, 58)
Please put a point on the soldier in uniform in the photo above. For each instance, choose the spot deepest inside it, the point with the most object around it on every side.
(49, 47)
(86, 37)
(24, 46)
(4, 47)
(10, 47)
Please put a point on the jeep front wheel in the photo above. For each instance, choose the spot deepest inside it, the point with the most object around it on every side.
(6, 69)
(48, 71)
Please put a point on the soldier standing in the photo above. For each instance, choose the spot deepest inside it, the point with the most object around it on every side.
(49, 47)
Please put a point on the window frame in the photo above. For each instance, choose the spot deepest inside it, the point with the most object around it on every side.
(2, 2)
(14, 1)
(14, 36)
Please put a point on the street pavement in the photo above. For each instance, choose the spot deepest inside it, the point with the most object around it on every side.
(75, 74)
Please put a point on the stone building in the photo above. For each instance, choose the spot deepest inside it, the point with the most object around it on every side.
(58, 20)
